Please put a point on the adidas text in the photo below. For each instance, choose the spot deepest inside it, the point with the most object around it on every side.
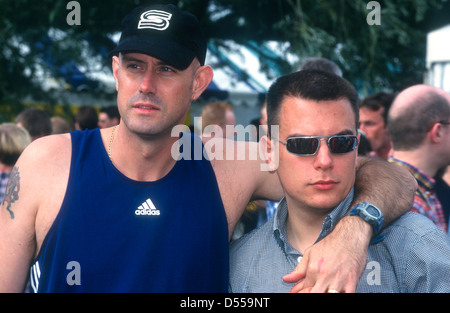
(147, 212)
(147, 208)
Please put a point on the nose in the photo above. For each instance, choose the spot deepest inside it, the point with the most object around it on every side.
(323, 158)
(148, 83)
(362, 127)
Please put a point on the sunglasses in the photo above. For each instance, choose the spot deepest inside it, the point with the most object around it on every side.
(305, 146)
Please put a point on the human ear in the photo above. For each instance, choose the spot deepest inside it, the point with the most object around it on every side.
(202, 79)
(269, 153)
(115, 69)
(436, 133)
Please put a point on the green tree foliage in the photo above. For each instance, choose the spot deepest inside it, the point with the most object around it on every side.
(36, 40)
(373, 57)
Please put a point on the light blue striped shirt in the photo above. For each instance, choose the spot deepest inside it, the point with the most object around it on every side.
(413, 257)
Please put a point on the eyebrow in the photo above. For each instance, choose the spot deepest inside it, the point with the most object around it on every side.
(343, 132)
(128, 58)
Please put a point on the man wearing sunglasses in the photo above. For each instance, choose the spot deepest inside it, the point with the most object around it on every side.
(317, 114)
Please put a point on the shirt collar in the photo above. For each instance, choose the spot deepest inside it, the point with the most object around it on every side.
(423, 179)
(281, 214)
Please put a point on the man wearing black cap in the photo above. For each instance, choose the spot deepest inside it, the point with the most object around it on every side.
(114, 210)
(165, 33)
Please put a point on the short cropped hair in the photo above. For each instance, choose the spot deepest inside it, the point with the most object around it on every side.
(87, 118)
(377, 101)
(309, 85)
(36, 121)
(111, 111)
(214, 113)
(13, 140)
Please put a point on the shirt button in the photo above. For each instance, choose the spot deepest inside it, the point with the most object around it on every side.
(299, 259)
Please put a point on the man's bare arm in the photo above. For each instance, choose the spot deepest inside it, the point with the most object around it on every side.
(39, 181)
(390, 187)
(338, 260)
(17, 241)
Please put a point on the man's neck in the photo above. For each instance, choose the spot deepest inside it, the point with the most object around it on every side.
(303, 228)
(142, 160)
(416, 158)
(384, 152)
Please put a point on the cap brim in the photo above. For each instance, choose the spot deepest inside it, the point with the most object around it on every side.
(168, 51)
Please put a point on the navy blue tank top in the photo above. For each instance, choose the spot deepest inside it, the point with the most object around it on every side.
(114, 234)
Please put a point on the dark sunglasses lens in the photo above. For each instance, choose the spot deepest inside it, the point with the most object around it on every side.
(302, 146)
(340, 145)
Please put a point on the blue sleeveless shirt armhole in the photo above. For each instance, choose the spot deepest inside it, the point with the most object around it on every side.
(113, 234)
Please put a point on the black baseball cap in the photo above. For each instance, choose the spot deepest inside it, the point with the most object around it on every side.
(163, 32)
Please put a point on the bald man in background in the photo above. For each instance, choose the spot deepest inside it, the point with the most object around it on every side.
(419, 124)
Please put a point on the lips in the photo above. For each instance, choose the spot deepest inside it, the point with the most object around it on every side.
(324, 184)
(145, 106)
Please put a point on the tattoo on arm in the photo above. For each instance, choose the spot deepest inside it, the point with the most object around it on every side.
(12, 190)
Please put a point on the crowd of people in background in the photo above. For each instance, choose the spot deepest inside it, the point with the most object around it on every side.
(34, 123)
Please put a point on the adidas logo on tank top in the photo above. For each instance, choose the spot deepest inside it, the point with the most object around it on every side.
(147, 208)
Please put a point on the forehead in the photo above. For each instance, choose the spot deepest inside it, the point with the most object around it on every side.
(309, 117)
(138, 57)
(368, 112)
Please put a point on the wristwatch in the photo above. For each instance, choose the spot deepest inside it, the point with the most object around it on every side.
(371, 214)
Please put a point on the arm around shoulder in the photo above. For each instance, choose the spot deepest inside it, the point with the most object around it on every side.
(242, 176)
(388, 186)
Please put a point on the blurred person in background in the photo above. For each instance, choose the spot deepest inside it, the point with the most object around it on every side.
(108, 117)
(86, 118)
(373, 112)
(36, 122)
(419, 124)
(60, 125)
(216, 116)
(13, 140)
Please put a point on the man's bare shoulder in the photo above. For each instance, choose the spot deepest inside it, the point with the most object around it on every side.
(46, 150)
(44, 164)
(43, 170)
(43, 144)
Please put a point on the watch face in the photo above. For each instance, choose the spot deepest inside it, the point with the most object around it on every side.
(372, 211)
